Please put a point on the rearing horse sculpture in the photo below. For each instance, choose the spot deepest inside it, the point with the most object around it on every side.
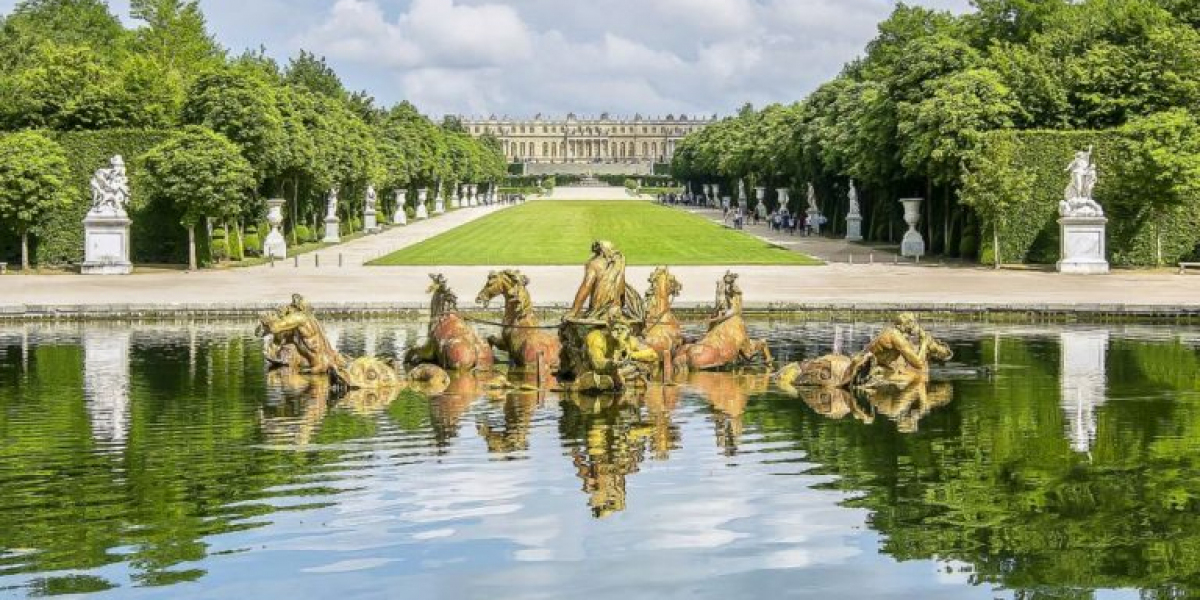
(452, 343)
(662, 332)
(521, 337)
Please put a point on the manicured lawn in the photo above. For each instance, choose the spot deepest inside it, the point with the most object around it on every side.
(561, 233)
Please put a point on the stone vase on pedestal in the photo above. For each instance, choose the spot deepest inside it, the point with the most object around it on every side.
(913, 245)
(439, 203)
(473, 191)
(106, 243)
(275, 246)
(1083, 245)
(760, 209)
(854, 228)
(782, 197)
(399, 216)
(422, 198)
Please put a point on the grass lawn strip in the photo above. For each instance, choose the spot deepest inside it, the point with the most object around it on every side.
(550, 232)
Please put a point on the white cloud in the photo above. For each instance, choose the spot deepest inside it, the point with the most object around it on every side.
(523, 57)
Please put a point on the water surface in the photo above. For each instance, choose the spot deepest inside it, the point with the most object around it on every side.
(161, 461)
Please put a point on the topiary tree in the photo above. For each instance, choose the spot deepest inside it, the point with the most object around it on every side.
(33, 174)
(1163, 168)
(202, 172)
(993, 186)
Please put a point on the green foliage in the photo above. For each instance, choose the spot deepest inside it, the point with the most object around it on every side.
(1009, 161)
(252, 245)
(33, 177)
(198, 169)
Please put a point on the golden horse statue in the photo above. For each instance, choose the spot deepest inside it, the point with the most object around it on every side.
(521, 337)
(295, 330)
(452, 343)
(727, 341)
(662, 331)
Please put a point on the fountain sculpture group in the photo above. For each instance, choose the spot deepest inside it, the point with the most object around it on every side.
(612, 339)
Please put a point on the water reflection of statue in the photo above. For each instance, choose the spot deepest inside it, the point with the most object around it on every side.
(604, 289)
(110, 187)
(611, 445)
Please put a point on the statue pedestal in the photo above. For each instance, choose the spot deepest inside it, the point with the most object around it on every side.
(333, 230)
(400, 217)
(854, 228)
(106, 244)
(422, 212)
(913, 245)
(1082, 245)
(439, 208)
(814, 221)
(370, 222)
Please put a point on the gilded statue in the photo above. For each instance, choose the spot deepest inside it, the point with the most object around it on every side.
(662, 330)
(294, 330)
(615, 360)
(727, 341)
(522, 336)
(899, 355)
(452, 343)
(603, 288)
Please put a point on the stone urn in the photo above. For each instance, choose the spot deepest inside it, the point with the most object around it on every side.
(474, 194)
(439, 204)
(913, 245)
(275, 246)
(399, 216)
(783, 197)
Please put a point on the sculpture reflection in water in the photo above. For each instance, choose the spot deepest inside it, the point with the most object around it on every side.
(728, 393)
(607, 440)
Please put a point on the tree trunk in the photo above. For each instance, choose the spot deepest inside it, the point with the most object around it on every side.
(228, 245)
(996, 244)
(192, 248)
(1158, 261)
(946, 247)
(24, 252)
(295, 208)
(238, 228)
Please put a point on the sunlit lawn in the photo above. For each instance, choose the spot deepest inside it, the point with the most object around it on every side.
(561, 233)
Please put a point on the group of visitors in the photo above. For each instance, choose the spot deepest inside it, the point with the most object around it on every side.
(683, 199)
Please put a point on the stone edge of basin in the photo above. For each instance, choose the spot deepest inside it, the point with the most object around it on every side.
(1003, 311)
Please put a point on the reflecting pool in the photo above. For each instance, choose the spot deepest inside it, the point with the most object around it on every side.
(162, 461)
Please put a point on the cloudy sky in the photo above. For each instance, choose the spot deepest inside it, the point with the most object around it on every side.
(524, 57)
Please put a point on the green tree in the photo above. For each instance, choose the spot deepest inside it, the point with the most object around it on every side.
(202, 172)
(175, 35)
(33, 175)
(1163, 168)
(312, 73)
(993, 187)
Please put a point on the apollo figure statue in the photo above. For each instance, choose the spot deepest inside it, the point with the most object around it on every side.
(110, 187)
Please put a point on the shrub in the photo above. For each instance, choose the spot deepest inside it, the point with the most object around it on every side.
(303, 234)
(252, 245)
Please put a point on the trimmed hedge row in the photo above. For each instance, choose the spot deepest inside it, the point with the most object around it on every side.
(156, 235)
(1032, 235)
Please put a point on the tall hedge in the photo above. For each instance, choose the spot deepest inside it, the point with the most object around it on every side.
(62, 240)
(1032, 235)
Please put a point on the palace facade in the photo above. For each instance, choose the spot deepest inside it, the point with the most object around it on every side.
(576, 140)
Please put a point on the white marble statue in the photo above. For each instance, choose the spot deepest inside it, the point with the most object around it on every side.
(110, 188)
(812, 200)
(855, 209)
(372, 198)
(1077, 199)
(331, 203)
